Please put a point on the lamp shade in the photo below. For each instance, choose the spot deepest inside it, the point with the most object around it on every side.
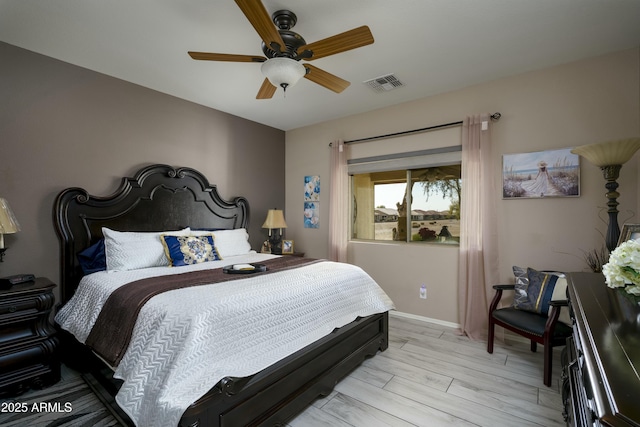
(283, 72)
(8, 222)
(609, 153)
(275, 219)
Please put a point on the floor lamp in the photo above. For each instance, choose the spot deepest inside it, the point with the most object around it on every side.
(609, 157)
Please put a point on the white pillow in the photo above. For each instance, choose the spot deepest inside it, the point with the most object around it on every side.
(229, 242)
(125, 250)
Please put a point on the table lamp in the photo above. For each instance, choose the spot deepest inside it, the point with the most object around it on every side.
(8, 224)
(275, 220)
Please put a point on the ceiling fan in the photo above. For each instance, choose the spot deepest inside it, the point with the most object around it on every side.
(284, 49)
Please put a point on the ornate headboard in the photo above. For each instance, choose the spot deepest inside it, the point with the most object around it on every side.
(157, 198)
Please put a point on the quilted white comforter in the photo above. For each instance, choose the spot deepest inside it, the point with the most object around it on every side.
(187, 340)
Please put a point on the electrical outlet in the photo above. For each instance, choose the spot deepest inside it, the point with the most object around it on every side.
(423, 292)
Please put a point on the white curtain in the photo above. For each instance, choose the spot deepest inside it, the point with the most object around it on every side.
(338, 203)
(478, 227)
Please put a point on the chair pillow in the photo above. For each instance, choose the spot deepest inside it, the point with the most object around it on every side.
(188, 250)
(541, 288)
(539, 292)
(522, 281)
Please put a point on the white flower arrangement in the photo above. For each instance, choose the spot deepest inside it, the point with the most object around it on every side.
(623, 268)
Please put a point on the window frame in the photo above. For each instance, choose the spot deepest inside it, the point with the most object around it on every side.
(443, 156)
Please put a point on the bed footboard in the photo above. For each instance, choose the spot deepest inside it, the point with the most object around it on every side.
(285, 389)
(278, 393)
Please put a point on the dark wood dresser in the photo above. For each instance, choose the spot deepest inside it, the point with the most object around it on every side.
(28, 345)
(601, 363)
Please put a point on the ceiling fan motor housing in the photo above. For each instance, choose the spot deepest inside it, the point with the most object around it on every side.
(285, 20)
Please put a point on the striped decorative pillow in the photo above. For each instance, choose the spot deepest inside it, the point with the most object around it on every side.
(539, 291)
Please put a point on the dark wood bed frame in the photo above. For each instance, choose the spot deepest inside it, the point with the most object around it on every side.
(160, 197)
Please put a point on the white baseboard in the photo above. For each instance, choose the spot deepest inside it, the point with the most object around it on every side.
(424, 319)
(508, 335)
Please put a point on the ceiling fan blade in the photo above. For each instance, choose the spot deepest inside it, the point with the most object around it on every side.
(325, 79)
(342, 42)
(266, 90)
(258, 16)
(206, 56)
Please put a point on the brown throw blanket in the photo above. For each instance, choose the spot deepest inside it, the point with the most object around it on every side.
(112, 331)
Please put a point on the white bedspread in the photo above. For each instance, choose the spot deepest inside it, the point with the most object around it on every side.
(185, 341)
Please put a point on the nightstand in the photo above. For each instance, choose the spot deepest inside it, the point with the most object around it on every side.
(28, 345)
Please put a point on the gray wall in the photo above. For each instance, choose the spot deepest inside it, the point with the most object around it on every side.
(63, 126)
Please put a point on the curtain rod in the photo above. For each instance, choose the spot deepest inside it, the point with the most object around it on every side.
(494, 116)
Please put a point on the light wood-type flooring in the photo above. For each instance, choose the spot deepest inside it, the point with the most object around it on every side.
(429, 376)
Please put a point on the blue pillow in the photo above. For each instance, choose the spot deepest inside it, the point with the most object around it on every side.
(539, 292)
(187, 250)
(93, 258)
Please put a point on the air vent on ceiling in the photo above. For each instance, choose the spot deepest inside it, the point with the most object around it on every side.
(384, 83)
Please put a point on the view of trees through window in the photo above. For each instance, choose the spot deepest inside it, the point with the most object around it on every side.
(380, 205)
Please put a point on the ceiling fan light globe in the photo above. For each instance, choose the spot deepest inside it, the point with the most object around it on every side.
(283, 72)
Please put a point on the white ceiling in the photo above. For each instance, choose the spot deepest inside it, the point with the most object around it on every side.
(432, 46)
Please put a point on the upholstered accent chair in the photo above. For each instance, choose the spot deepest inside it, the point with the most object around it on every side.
(540, 322)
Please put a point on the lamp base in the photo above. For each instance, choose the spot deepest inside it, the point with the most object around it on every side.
(611, 174)
(276, 245)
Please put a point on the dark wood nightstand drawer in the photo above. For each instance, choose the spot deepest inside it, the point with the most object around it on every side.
(24, 304)
(28, 342)
(34, 296)
(15, 333)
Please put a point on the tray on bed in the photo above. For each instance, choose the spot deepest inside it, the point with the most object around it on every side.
(249, 268)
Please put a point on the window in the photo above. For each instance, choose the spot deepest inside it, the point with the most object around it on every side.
(383, 211)
(428, 164)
